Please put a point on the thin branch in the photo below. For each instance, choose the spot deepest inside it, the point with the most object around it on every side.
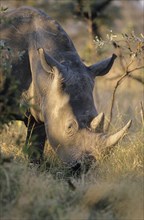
(127, 73)
(114, 92)
(113, 98)
(137, 78)
(137, 68)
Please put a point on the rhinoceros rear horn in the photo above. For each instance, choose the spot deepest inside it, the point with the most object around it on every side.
(48, 62)
(101, 68)
(97, 124)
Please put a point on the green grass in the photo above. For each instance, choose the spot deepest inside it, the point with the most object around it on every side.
(111, 190)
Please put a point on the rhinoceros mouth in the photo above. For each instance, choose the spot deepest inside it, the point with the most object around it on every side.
(82, 164)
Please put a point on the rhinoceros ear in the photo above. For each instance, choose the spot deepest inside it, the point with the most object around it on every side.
(49, 62)
(101, 68)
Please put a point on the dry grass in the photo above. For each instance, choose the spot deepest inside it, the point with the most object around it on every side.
(112, 189)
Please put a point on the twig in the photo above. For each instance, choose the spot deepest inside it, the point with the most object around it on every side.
(114, 92)
(137, 68)
(113, 98)
(127, 73)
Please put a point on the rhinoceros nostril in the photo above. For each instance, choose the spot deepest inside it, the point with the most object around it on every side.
(76, 167)
(84, 164)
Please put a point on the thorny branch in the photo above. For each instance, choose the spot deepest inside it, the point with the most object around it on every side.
(123, 77)
(127, 73)
(113, 98)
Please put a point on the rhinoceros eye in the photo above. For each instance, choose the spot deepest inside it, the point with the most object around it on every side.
(71, 127)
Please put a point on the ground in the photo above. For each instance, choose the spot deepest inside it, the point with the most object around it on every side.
(111, 189)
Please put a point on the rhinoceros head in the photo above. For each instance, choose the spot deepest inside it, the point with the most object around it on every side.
(73, 127)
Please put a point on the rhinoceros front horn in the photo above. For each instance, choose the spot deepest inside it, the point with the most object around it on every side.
(113, 139)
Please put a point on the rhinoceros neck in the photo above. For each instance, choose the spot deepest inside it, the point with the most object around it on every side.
(34, 28)
(48, 34)
(30, 29)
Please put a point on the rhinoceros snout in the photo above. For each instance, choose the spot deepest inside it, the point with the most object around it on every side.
(84, 164)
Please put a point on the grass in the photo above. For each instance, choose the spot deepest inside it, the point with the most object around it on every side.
(112, 189)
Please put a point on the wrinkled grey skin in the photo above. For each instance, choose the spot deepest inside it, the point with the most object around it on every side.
(54, 79)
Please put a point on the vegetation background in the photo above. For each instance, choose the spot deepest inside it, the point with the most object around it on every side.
(113, 188)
